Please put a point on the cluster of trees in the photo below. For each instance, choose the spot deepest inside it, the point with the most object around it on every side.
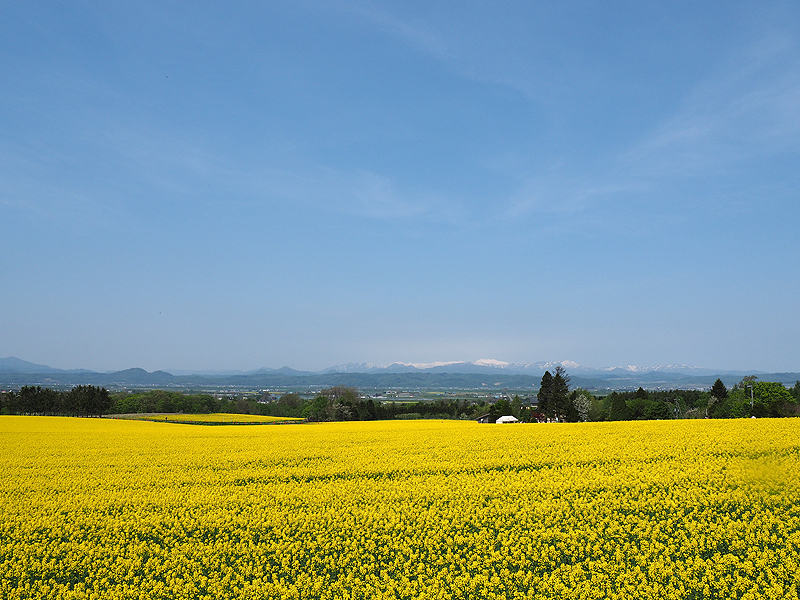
(754, 398)
(80, 401)
(648, 405)
(341, 403)
(747, 398)
(87, 400)
(333, 404)
(337, 403)
(161, 401)
(554, 400)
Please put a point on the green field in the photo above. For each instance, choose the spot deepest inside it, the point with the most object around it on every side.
(208, 419)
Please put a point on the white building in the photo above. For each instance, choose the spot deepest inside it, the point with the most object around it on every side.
(507, 419)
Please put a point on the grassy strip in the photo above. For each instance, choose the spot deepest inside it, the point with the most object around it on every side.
(208, 419)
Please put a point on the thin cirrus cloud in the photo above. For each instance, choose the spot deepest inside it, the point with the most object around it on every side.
(753, 109)
(143, 165)
(748, 112)
(482, 54)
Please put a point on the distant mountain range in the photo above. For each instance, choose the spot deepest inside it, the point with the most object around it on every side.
(479, 374)
(16, 365)
(489, 366)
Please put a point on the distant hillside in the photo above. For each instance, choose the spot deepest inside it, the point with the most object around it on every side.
(138, 378)
(15, 373)
(11, 364)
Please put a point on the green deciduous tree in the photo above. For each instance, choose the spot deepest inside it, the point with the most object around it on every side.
(581, 401)
(772, 399)
(499, 409)
(619, 408)
(516, 406)
(337, 403)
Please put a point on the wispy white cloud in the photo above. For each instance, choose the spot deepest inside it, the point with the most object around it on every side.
(418, 32)
(144, 166)
(32, 188)
(357, 193)
(750, 110)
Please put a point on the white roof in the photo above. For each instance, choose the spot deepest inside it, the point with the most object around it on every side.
(507, 419)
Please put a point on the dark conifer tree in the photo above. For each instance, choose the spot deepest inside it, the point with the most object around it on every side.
(719, 391)
(545, 391)
(559, 395)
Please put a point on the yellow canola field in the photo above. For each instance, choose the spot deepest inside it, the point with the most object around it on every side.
(99, 508)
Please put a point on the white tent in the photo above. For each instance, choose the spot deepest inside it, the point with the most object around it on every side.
(507, 419)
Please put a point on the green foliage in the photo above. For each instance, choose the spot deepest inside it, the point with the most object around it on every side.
(160, 401)
(619, 408)
(516, 406)
(291, 401)
(553, 397)
(545, 393)
(644, 405)
(559, 404)
(338, 403)
(82, 400)
(719, 391)
(772, 399)
(580, 405)
(649, 404)
(599, 409)
(318, 410)
(648, 409)
(89, 400)
(499, 409)
(345, 403)
(755, 398)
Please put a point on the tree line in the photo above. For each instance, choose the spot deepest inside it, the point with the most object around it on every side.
(80, 401)
(554, 402)
(342, 403)
(748, 398)
(89, 400)
(337, 403)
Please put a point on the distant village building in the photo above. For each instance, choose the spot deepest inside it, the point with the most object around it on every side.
(504, 419)
(507, 419)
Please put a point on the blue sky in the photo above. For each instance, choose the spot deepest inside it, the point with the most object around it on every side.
(195, 186)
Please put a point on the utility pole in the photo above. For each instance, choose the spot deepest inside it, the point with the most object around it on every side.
(749, 381)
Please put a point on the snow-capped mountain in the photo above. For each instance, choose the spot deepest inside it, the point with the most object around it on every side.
(626, 376)
(489, 365)
(687, 369)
